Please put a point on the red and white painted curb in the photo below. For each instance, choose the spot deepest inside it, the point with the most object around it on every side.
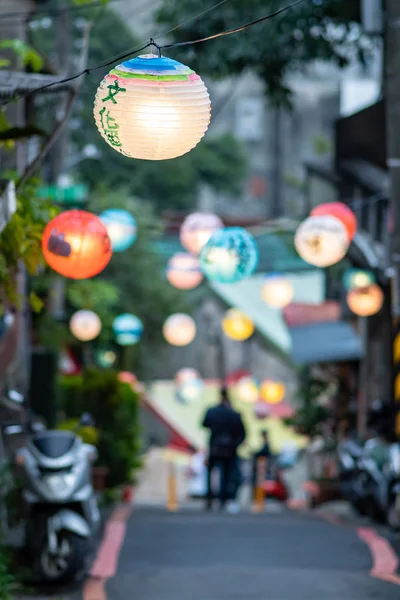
(106, 562)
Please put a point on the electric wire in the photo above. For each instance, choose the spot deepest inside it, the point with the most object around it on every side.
(152, 42)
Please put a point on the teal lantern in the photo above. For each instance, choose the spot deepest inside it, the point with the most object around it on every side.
(106, 358)
(230, 255)
(121, 228)
(357, 278)
(128, 329)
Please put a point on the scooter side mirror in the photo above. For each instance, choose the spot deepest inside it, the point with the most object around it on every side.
(13, 429)
(87, 420)
(16, 397)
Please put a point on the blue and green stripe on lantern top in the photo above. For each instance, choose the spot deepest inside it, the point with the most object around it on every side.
(153, 68)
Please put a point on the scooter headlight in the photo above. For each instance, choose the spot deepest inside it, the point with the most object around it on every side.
(60, 484)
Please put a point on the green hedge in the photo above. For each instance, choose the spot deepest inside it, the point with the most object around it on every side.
(115, 408)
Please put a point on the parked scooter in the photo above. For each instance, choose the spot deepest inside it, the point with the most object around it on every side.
(393, 508)
(349, 455)
(62, 508)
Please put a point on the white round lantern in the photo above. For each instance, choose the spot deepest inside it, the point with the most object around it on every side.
(197, 229)
(85, 325)
(152, 108)
(277, 291)
(179, 329)
(247, 390)
(183, 271)
(322, 241)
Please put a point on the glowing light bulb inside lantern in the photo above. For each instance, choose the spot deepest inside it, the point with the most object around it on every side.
(158, 117)
(222, 259)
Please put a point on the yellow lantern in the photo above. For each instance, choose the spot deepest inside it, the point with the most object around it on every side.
(247, 390)
(322, 240)
(237, 325)
(277, 291)
(183, 271)
(152, 108)
(179, 329)
(272, 392)
(85, 325)
(366, 301)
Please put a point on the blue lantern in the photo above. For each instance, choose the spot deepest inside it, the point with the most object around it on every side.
(230, 255)
(121, 228)
(128, 329)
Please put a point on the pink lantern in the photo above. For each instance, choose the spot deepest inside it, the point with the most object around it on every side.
(126, 377)
(197, 229)
(261, 410)
(183, 271)
(184, 375)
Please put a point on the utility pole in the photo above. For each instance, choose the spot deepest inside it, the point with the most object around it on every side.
(392, 102)
(60, 150)
(277, 208)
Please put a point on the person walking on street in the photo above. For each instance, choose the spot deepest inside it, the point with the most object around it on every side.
(264, 452)
(227, 433)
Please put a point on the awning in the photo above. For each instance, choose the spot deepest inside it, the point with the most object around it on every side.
(325, 342)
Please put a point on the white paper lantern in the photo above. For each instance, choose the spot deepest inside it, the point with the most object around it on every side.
(183, 271)
(247, 390)
(277, 291)
(152, 108)
(85, 325)
(322, 241)
(179, 329)
(197, 229)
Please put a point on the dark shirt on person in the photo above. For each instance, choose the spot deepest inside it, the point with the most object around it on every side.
(227, 430)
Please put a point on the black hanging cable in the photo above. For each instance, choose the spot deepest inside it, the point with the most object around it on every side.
(159, 48)
(236, 29)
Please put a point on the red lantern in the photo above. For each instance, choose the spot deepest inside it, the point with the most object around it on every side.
(341, 212)
(76, 244)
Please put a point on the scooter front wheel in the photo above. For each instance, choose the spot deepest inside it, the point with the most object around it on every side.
(61, 564)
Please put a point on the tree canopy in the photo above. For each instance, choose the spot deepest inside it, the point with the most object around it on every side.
(315, 29)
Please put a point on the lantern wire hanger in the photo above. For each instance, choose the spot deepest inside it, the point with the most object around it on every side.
(152, 42)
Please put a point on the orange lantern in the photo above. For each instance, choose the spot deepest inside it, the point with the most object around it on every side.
(366, 301)
(339, 211)
(272, 392)
(76, 244)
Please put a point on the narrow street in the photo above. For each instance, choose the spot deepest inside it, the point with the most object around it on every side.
(279, 556)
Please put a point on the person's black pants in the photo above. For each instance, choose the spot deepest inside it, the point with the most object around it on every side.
(226, 468)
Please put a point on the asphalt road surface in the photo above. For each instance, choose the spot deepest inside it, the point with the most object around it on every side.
(192, 555)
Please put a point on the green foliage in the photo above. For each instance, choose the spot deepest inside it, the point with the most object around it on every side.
(218, 162)
(29, 56)
(89, 435)
(21, 240)
(7, 581)
(115, 408)
(322, 145)
(310, 417)
(272, 49)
